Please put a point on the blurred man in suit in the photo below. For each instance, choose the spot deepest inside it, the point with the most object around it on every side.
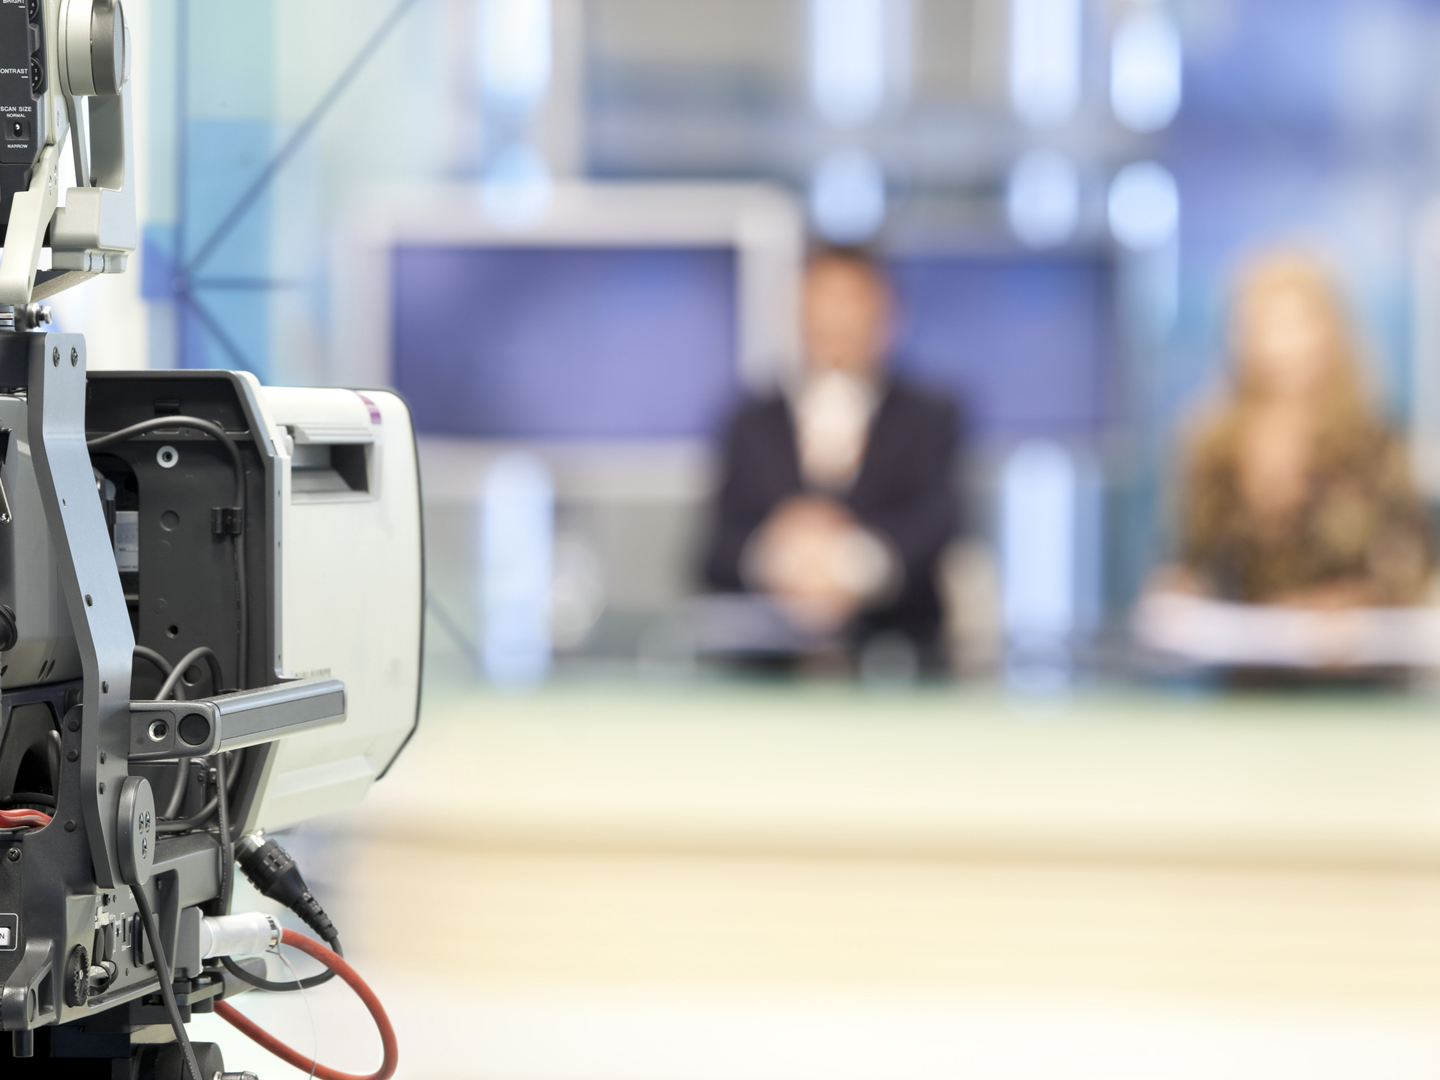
(837, 498)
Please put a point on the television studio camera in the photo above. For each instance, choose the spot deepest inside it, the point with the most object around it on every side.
(210, 619)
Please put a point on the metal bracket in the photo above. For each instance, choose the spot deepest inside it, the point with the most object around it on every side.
(30, 214)
(89, 581)
(164, 730)
(25, 1005)
(227, 520)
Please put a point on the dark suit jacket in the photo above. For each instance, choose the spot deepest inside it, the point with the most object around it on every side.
(904, 491)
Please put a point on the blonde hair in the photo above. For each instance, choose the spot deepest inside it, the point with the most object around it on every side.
(1343, 402)
(1346, 418)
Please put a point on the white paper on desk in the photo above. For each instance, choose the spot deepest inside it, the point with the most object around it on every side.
(1206, 631)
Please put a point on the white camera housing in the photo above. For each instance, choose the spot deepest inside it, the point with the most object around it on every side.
(350, 594)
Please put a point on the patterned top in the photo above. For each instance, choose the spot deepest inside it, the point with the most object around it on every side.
(1361, 523)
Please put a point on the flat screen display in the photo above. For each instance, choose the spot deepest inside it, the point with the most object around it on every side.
(1024, 343)
(534, 342)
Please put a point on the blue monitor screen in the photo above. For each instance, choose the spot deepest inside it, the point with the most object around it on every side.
(566, 342)
(1023, 342)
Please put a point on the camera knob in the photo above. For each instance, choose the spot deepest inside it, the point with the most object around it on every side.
(94, 47)
(77, 977)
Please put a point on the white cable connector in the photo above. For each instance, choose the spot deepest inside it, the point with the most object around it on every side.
(238, 935)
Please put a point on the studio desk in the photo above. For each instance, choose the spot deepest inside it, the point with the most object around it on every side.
(1235, 849)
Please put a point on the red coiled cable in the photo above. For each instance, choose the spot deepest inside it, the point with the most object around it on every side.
(23, 819)
(336, 963)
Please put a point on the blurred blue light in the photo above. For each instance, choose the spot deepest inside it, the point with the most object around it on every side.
(517, 188)
(515, 52)
(1038, 546)
(517, 531)
(1045, 43)
(1145, 67)
(847, 197)
(847, 59)
(1144, 206)
(1043, 198)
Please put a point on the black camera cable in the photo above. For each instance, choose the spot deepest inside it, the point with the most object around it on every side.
(174, 679)
(274, 874)
(162, 969)
(175, 684)
(227, 843)
(182, 772)
(149, 655)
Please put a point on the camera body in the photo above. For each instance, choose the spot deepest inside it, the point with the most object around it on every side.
(294, 561)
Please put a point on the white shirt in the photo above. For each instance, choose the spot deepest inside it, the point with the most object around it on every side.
(832, 412)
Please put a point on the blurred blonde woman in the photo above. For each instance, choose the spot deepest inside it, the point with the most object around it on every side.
(1295, 491)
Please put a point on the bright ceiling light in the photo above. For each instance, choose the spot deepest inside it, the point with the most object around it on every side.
(1045, 42)
(847, 59)
(1145, 71)
(1144, 206)
(515, 52)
